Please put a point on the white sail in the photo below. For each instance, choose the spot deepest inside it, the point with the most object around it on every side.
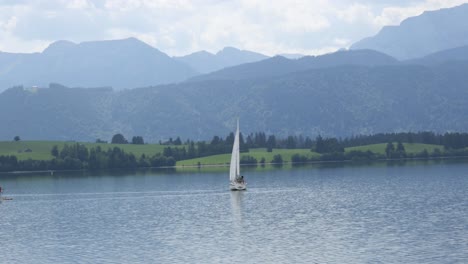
(234, 169)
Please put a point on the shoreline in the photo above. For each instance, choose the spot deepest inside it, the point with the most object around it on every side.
(220, 165)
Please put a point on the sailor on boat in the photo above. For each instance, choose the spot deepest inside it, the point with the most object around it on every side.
(240, 179)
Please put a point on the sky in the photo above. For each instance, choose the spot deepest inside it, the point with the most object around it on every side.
(180, 27)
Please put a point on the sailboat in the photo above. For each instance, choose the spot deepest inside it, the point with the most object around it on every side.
(237, 182)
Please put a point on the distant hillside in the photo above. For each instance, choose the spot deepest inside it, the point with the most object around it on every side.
(278, 65)
(126, 63)
(445, 56)
(292, 56)
(421, 35)
(205, 62)
(335, 101)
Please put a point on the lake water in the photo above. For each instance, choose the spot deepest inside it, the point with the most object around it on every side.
(414, 213)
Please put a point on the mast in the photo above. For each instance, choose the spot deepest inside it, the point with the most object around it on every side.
(238, 149)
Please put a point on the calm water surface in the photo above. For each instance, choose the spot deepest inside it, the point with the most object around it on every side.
(415, 213)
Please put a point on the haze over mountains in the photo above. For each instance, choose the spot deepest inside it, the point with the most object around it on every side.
(445, 56)
(120, 64)
(422, 35)
(280, 66)
(337, 101)
(130, 63)
(339, 94)
(205, 62)
(126, 63)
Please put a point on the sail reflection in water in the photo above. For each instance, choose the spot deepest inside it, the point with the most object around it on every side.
(236, 208)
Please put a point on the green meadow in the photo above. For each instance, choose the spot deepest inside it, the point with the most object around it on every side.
(409, 148)
(286, 154)
(258, 154)
(41, 150)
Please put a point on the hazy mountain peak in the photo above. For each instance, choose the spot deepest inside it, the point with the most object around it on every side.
(122, 63)
(59, 46)
(205, 62)
(278, 58)
(123, 43)
(418, 36)
(228, 50)
(291, 55)
(203, 52)
(64, 45)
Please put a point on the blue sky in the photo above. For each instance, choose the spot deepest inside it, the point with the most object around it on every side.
(180, 27)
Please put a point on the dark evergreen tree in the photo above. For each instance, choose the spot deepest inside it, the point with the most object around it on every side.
(277, 159)
(138, 140)
(230, 139)
(192, 152)
(248, 160)
(400, 150)
(118, 139)
(297, 158)
(271, 143)
(308, 143)
(291, 143)
(389, 149)
(319, 145)
(242, 146)
(178, 142)
(54, 151)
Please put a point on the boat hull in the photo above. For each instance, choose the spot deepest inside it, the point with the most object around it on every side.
(237, 186)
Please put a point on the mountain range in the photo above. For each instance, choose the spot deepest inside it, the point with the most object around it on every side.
(341, 99)
(130, 63)
(349, 92)
(422, 35)
(445, 56)
(126, 63)
(205, 62)
(279, 65)
(120, 64)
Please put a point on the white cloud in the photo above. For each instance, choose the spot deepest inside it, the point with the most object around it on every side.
(130, 5)
(77, 4)
(9, 43)
(182, 26)
(395, 15)
(356, 12)
(342, 42)
(10, 24)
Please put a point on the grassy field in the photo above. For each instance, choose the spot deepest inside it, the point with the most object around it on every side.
(409, 148)
(287, 153)
(256, 153)
(40, 150)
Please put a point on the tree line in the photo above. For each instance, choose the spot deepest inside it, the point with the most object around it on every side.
(77, 156)
(218, 145)
(319, 144)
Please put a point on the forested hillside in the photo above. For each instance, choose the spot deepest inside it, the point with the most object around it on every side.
(335, 101)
